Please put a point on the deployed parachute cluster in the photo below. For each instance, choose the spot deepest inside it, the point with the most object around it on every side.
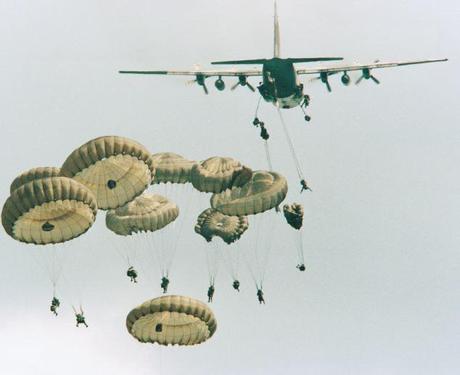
(53, 205)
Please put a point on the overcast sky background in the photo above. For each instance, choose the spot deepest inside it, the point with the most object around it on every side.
(381, 291)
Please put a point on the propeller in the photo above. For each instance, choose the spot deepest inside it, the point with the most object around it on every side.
(243, 81)
(199, 79)
(366, 75)
(323, 76)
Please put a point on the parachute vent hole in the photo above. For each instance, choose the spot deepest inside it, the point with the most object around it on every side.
(111, 184)
(47, 227)
(159, 327)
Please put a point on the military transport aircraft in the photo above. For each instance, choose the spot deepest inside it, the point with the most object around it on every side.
(280, 84)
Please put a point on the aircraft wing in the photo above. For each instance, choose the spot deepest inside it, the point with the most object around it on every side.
(351, 67)
(203, 73)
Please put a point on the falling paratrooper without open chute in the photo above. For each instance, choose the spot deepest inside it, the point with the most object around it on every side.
(172, 320)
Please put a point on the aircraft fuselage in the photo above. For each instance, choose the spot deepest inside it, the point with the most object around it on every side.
(280, 85)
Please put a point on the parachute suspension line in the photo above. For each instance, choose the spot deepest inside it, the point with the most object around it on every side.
(235, 262)
(238, 261)
(212, 261)
(267, 155)
(258, 249)
(157, 248)
(208, 265)
(269, 162)
(229, 263)
(251, 271)
(268, 242)
(56, 263)
(291, 145)
(231, 257)
(125, 249)
(118, 248)
(185, 192)
(161, 359)
(51, 264)
(257, 108)
(300, 253)
(251, 246)
(162, 250)
(152, 247)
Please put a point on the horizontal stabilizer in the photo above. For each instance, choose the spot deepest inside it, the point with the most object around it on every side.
(143, 71)
(312, 59)
(240, 62)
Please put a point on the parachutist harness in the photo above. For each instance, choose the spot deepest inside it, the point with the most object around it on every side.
(80, 317)
(164, 284)
(132, 274)
(304, 185)
(54, 305)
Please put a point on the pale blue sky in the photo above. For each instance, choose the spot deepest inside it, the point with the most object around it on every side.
(380, 295)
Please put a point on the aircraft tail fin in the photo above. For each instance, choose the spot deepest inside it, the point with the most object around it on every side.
(276, 50)
(276, 33)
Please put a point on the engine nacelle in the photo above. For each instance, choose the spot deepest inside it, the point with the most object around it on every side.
(366, 73)
(243, 80)
(345, 79)
(323, 76)
(200, 79)
(220, 84)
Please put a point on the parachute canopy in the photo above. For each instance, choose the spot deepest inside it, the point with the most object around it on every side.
(218, 173)
(212, 223)
(172, 320)
(171, 167)
(293, 214)
(49, 210)
(115, 169)
(146, 213)
(34, 174)
(264, 191)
